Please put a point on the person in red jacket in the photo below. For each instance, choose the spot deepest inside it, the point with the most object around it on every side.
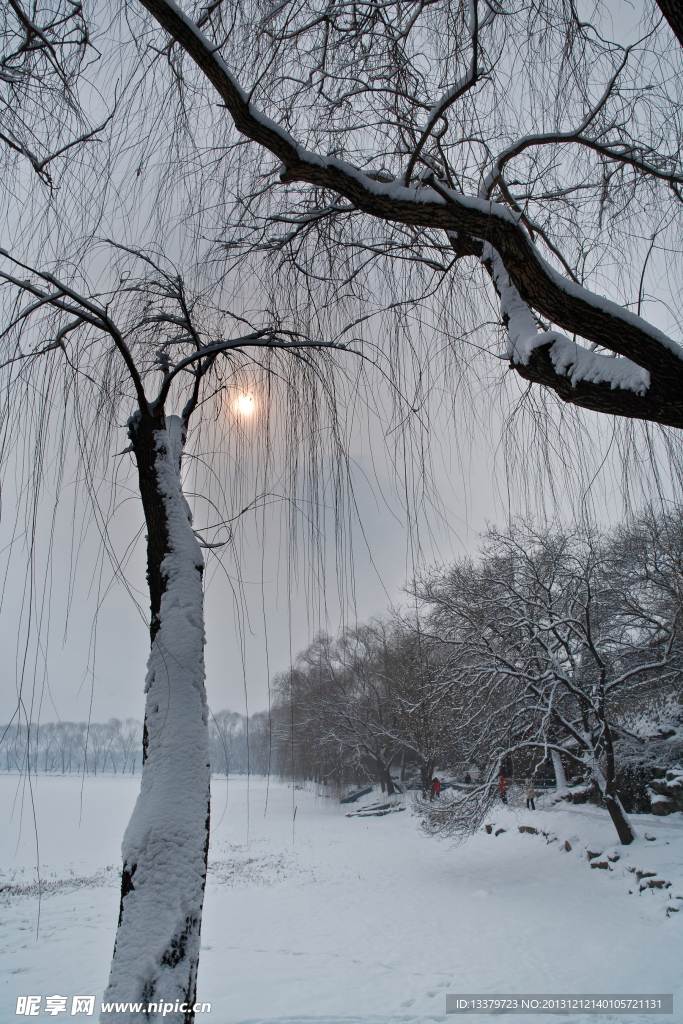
(503, 789)
(434, 788)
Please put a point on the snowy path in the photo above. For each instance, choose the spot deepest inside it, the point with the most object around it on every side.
(351, 918)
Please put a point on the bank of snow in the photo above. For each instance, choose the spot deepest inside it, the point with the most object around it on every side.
(315, 915)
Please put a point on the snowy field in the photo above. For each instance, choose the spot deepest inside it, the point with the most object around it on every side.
(314, 917)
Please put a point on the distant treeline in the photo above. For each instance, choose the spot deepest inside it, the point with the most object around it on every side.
(63, 747)
(238, 746)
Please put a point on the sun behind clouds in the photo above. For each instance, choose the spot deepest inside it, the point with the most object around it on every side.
(245, 405)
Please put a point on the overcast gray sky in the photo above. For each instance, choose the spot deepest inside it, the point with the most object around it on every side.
(257, 615)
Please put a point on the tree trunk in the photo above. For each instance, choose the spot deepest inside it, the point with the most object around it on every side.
(385, 780)
(607, 783)
(625, 829)
(426, 775)
(165, 846)
(560, 778)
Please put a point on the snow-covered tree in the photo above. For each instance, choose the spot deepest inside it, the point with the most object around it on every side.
(160, 358)
(360, 704)
(418, 676)
(556, 632)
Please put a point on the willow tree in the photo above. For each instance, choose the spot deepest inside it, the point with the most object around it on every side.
(163, 360)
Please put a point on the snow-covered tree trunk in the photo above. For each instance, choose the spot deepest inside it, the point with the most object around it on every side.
(606, 782)
(620, 819)
(165, 846)
(560, 778)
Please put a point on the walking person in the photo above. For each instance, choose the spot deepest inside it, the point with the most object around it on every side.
(503, 784)
(436, 787)
(530, 794)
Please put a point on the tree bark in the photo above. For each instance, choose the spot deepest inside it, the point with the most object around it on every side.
(607, 784)
(426, 775)
(385, 780)
(624, 828)
(660, 404)
(165, 846)
(673, 12)
(560, 778)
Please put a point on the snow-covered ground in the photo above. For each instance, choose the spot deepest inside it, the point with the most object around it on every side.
(313, 916)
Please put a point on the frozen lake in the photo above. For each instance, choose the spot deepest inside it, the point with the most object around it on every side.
(318, 917)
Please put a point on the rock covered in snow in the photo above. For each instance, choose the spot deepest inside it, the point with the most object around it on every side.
(666, 795)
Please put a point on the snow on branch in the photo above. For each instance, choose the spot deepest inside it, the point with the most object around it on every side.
(569, 359)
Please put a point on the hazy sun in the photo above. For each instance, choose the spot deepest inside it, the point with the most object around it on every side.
(245, 405)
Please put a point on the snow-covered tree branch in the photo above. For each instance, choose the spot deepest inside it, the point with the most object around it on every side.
(639, 371)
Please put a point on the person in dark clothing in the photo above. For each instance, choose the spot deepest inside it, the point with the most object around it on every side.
(503, 789)
(468, 778)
